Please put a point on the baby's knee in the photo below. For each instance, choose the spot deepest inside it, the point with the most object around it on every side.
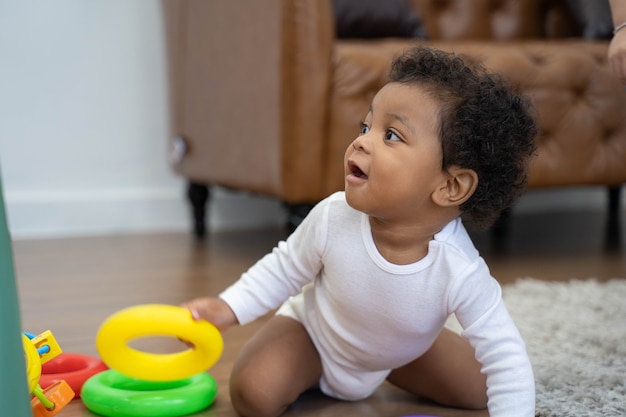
(251, 399)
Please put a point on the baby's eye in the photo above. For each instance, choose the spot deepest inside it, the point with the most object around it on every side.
(391, 136)
(364, 129)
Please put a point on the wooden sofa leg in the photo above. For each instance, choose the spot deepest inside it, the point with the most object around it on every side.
(198, 195)
(296, 213)
(500, 231)
(613, 235)
(615, 195)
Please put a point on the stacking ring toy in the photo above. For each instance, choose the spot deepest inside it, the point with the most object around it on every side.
(58, 394)
(112, 394)
(158, 320)
(73, 368)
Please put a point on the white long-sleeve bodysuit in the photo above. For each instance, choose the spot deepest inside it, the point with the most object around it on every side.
(367, 316)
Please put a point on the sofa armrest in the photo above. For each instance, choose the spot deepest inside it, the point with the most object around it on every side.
(308, 41)
(250, 82)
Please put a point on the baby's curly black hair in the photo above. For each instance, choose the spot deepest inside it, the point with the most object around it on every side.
(485, 125)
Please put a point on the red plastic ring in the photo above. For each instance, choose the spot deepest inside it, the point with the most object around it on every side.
(73, 368)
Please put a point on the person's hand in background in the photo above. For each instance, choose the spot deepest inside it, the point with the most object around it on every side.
(617, 48)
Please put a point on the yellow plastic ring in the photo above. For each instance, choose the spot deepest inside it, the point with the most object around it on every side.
(158, 320)
(33, 363)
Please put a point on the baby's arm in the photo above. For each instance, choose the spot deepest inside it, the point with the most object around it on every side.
(213, 310)
(498, 347)
(282, 273)
(501, 351)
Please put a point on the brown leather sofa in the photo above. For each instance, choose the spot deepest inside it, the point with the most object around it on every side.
(266, 97)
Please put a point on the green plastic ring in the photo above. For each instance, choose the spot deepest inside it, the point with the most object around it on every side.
(113, 394)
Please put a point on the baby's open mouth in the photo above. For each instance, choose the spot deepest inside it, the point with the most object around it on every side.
(356, 171)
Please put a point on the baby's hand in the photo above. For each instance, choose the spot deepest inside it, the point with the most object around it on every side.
(213, 310)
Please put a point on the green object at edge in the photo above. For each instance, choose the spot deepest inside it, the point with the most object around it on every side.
(14, 395)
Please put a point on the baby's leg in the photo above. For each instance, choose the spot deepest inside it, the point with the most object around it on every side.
(278, 364)
(447, 373)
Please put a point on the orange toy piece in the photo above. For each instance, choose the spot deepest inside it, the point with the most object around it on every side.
(59, 394)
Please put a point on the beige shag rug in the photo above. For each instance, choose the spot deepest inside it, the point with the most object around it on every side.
(575, 334)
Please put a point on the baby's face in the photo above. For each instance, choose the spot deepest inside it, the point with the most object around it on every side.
(394, 165)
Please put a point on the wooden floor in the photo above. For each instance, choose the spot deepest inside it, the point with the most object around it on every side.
(71, 285)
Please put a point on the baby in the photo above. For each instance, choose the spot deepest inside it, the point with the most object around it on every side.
(365, 284)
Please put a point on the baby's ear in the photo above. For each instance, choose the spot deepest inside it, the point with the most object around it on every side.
(458, 187)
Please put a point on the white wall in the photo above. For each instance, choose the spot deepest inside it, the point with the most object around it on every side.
(84, 125)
